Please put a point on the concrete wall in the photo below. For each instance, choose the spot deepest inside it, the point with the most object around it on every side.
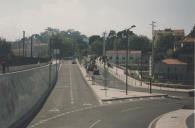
(20, 91)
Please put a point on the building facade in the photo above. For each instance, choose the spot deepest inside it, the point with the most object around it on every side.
(119, 57)
(170, 70)
(179, 35)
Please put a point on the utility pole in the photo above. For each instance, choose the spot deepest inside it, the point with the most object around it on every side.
(153, 25)
(152, 58)
(116, 51)
(104, 59)
(141, 68)
(31, 40)
(127, 59)
(19, 47)
(50, 62)
(127, 34)
(23, 42)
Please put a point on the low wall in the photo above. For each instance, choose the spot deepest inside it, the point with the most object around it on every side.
(20, 91)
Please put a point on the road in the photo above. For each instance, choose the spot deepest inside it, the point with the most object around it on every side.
(72, 104)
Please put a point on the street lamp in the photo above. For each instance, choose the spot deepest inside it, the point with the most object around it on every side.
(105, 60)
(31, 44)
(127, 55)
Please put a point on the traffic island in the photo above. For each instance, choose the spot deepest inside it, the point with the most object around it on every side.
(174, 119)
(111, 94)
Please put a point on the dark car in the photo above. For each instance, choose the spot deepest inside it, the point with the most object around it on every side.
(96, 72)
(73, 62)
(191, 92)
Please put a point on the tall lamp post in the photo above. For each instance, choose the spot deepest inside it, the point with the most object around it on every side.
(31, 44)
(127, 55)
(151, 75)
(105, 59)
(23, 40)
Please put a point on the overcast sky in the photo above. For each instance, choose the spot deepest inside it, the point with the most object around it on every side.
(93, 16)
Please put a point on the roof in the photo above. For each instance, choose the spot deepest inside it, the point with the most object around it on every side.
(189, 40)
(172, 61)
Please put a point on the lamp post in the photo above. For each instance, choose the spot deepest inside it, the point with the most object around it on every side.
(50, 62)
(127, 55)
(31, 44)
(23, 40)
(151, 76)
(116, 50)
(105, 59)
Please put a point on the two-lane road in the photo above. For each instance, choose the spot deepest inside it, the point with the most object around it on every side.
(70, 93)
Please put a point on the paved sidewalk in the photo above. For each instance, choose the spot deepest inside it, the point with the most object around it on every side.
(174, 119)
(133, 82)
(110, 94)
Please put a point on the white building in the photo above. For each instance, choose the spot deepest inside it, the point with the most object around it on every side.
(134, 57)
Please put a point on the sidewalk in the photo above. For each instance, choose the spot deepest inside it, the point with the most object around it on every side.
(174, 119)
(133, 82)
(111, 94)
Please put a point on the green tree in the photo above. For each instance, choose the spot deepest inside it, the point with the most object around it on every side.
(5, 48)
(164, 46)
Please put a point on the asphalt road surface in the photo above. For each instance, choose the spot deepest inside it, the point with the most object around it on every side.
(72, 104)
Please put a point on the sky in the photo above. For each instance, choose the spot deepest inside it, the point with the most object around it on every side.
(93, 16)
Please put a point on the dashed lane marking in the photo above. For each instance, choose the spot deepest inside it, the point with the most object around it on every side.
(87, 104)
(60, 115)
(71, 91)
(130, 109)
(54, 110)
(95, 123)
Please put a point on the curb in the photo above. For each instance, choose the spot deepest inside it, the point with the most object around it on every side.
(86, 81)
(136, 97)
(155, 121)
(174, 97)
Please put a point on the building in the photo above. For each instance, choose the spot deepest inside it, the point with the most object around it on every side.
(119, 57)
(179, 35)
(170, 70)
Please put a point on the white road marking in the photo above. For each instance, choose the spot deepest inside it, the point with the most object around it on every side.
(60, 115)
(71, 91)
(54, 110)
(151, 123)
(91, 126)
(87, 104)
(60, 67)
(130, 109)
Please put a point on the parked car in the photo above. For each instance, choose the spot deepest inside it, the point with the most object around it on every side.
(96, 72)
(191, 93)
(73, 62)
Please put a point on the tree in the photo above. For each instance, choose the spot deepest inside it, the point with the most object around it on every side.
(163, 44)
(93, 39)
(141, 43)
(5, 49)
(111, 40)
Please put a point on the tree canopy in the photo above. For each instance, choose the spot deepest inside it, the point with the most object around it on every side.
(118, 41)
